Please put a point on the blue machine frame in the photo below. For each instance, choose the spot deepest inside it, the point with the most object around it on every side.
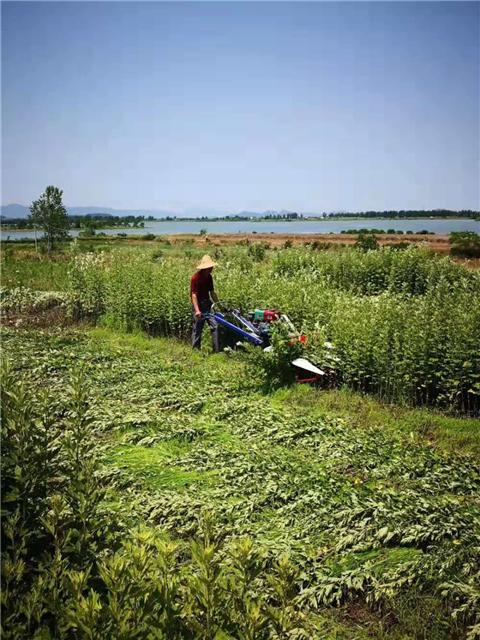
(254, 337)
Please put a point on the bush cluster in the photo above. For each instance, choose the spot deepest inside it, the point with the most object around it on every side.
(465, 244)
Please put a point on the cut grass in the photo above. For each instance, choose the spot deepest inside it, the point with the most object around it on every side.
(381, 559)
(447, 432)
(315, 474)
(150, 466)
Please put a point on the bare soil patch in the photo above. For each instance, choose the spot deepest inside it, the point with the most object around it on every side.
(438, 242)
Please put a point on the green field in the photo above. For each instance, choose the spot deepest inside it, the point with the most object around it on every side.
(404, 324)
(153, 492)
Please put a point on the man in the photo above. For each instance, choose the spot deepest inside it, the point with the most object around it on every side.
(201, 290)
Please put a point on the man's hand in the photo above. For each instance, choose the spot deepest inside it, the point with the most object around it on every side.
(198, 314)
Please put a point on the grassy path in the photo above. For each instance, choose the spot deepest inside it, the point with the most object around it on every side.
(378, 507)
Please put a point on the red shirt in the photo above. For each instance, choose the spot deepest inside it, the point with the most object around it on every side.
(201, 284)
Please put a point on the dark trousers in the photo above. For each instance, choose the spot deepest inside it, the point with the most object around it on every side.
(198, 324)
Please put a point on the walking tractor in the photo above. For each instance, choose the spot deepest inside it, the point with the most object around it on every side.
(256, 330)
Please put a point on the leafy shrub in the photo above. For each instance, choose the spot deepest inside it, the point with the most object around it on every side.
(317, 245)
(288, 244)
(8, 253)
(218, 252)
(87, 233)
(366, 242)
(362, 231)
(87, 283)
(465, 244)
(53, 499)
(79, 245)
(399, 246)
(257, 251)
(148, 236)
(275, 365)
(156, 255)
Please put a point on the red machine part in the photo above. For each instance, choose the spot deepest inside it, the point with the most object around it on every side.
(271, 316)
(316, 378)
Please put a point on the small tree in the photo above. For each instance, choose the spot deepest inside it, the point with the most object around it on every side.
(48, 213)
(366, 242)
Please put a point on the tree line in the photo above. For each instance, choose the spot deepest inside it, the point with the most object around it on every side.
(84, 222)
(409, 213)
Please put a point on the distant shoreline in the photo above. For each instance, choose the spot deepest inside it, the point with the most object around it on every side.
(290, 220)
(257, 220)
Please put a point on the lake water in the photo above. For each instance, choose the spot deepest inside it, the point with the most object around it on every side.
(167, 228)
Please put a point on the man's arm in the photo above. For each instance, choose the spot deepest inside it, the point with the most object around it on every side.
(198, 313)
(213, 295)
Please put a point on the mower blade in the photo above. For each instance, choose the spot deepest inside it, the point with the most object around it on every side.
(301, 363)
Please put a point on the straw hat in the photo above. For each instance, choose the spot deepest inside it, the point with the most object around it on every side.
(206, 263)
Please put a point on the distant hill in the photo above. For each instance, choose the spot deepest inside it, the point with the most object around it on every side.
(248, 214)
(91, 215)
(21, 211)
(85, 211)
(89, 211)
(15, 211)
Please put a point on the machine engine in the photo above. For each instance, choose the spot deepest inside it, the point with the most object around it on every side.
(262, 320)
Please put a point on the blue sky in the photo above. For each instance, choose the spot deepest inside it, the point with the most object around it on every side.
(309, 106)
